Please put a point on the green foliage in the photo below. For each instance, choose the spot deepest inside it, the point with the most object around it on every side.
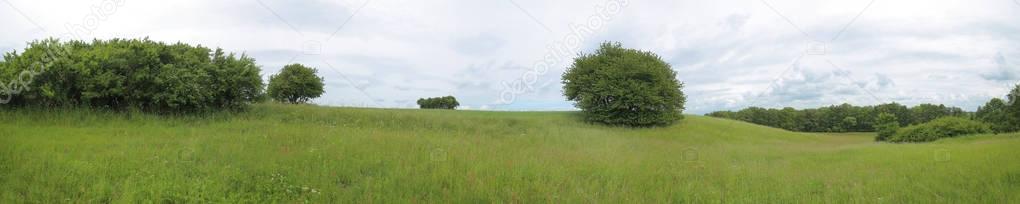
(886, 125)
(445, 102)
(996, 114)
(620, 86)
(1002, 115)
(838, 118)
(1013, 107)
(849, 122)
(940, 128)
(132, 73)
(928, 112)
(295, 83)
(902, 112)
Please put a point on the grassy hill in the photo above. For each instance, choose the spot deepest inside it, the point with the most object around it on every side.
(288, 154)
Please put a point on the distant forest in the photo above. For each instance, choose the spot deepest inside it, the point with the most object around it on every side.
(840, 118)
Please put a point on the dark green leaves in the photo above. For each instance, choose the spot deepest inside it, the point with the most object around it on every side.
(296, 83)
(886, 125)
(940, 128)
(1002, 115)
(620, 86)
(134, 73)
(445, 102)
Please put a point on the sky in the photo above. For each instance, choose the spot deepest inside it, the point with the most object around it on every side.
(510, 54)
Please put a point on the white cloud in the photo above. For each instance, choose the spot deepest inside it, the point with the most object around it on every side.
(727, 52)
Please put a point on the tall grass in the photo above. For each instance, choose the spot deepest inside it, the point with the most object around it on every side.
(279, 153)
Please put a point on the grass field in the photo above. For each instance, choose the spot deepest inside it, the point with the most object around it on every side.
(291, 154)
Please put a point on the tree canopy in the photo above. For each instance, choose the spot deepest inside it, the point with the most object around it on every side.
(620, 86)
(130, 73)
(445, 102)
(839, 118)
(295, 83)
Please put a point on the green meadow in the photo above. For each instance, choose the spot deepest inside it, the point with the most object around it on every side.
(293, 154)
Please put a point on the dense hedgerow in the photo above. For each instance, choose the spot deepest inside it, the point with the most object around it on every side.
(620, 86)
(129, 73)
(940, 128)
(295, 83)
(445, 102)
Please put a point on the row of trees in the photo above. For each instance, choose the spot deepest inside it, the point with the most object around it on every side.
(146, 75)
(138, 73)
(923, 123)
(445, 102)
(840, 118)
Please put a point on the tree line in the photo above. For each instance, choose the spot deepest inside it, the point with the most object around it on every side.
(130, 73)
(445, 102)
(839, 118)
(146, 75)
(893, 122)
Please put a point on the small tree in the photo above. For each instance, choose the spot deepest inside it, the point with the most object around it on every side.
(445, 102)
(296, 83)
(621, 86)
(887, 124)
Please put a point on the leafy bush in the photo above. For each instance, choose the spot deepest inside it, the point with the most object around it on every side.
(135, 73)
(296, 83)
(886, 124)
(620, 86)
(940, 128)
(445, 102)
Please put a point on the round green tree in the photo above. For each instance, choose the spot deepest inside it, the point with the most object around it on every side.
(620, 86)
(296, 83)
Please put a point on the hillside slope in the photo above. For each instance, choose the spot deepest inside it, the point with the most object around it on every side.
(306, 153)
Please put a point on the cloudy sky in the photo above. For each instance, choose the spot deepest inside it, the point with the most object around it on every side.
(509, 54)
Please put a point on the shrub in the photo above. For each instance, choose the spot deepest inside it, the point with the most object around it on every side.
(445, 102)
(940, 128)
(620, 86)
(886, 124)
(136, 73)
(296, 83)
